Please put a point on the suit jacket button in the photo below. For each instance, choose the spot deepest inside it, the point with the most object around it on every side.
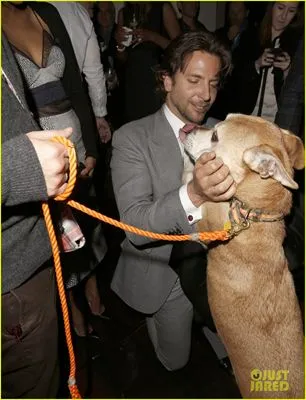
(190, 218)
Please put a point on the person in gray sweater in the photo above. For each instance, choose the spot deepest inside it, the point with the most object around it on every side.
(33, 170)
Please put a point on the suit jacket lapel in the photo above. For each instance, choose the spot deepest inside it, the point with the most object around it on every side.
(166, 151)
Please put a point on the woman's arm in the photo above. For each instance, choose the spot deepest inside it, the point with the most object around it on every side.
(171, 26)
(171, 23)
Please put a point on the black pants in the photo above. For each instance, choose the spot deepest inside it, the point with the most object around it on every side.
(189, 260)
(30, 339)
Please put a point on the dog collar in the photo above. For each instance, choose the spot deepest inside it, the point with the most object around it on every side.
(240, 217)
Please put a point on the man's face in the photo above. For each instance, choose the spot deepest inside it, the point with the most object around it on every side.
(105, 14)
(190, 93)
(237, 12)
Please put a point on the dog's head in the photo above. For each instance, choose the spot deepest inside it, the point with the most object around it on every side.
(253, 149)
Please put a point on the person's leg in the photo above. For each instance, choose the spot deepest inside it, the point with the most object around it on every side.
(170, 329)
(189, 260)
(93, 296)
(78, 321)
(192, 272)
(30, 339)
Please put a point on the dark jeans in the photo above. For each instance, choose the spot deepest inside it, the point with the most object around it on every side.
(30, 339)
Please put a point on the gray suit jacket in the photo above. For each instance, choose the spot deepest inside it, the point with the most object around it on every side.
(147, 170)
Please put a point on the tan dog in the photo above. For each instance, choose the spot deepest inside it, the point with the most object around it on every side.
(250, 289)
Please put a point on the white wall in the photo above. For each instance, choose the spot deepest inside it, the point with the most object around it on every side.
(211, 13)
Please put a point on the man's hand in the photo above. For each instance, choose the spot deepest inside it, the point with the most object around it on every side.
(103, 129)
(90, 163)
(53, 158)
(211, 181)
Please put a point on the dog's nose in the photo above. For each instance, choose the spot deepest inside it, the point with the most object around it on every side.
(214, 137)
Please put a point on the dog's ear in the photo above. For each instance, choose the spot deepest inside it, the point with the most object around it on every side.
(295, 149)
(263, 160)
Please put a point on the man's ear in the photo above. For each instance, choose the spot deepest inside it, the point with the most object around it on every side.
(167, 83)
(263, 160)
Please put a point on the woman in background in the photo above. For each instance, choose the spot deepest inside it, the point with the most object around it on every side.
(152, 25)
(265, 58)
(189, 11)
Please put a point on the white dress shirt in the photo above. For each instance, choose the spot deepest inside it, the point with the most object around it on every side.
(86, 48)
(193, 213)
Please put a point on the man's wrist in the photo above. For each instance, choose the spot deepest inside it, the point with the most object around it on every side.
(196, 199)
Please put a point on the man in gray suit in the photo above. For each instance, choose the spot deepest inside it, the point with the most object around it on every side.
(147, 168)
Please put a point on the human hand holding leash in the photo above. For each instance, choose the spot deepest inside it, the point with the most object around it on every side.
(53, 158)
(211, 181)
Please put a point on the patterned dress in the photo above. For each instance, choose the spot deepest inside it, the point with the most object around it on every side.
(49, 101)
(52, 108)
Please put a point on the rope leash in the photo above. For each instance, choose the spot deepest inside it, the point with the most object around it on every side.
(74, 392)
(200, 236)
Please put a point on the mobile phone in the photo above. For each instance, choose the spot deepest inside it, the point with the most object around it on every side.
(276, 51)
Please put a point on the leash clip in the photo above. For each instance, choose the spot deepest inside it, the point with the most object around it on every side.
(237, 228)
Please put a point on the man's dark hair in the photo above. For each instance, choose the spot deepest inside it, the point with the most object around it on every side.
(180, 50)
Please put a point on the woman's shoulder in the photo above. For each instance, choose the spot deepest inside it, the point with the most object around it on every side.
(290, 38)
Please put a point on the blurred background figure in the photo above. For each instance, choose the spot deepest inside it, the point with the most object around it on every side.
(89, 6)
(236, 22)
(189, 11)
(104, 19)
(151, 25)
(76, 17)
(291, 116)
(291, 112)
(264, 59)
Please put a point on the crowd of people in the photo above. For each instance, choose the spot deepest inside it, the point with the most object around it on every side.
(121, 88)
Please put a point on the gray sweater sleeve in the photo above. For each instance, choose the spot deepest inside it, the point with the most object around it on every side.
(22, 176)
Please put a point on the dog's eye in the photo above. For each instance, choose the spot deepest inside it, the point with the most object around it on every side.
(214, 137)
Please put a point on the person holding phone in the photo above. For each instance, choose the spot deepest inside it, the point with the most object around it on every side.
(264, 60)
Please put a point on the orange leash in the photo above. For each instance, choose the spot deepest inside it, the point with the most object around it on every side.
(74, 392)
(200, 236)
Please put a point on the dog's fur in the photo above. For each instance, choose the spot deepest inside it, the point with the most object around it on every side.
(250, 289)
